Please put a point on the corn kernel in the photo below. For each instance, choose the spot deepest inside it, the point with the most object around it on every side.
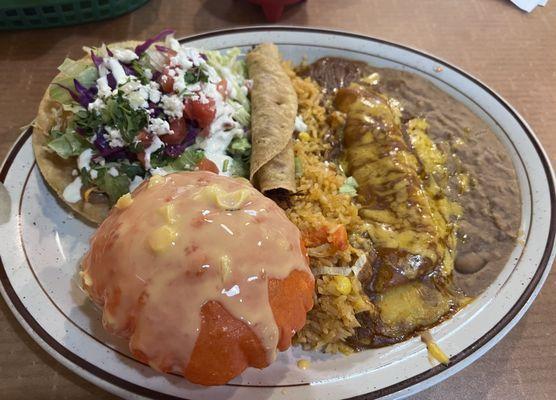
(162, 238)
(436, 352)
(303, 364)
(343, 284)
(168, 211)
(360, 305)
(155, 180)
(304, 136)
(225, 200)
(88, 193)
(124, 201)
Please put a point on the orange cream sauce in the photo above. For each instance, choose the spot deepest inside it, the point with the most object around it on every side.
(180, 241)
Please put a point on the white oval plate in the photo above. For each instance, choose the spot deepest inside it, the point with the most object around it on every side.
(42, 244)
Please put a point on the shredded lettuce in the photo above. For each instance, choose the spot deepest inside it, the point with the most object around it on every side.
(239, 147)
(68, 144)
(186, 162)
(230, 67)
(113, 186)
(239, 167)
(70, 69)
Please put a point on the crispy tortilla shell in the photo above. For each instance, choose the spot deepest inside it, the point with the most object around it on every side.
(273, 111)
(56, 171)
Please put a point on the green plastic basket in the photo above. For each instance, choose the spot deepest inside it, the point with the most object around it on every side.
(29, 14)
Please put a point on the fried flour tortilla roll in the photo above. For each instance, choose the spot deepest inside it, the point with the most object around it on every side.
(274, 107)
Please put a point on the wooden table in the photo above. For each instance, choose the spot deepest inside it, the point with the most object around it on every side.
(513, 52)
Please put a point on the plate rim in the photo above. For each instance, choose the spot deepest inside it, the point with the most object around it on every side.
(433, 375)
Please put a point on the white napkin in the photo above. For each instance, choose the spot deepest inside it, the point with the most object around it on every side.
(529, 5)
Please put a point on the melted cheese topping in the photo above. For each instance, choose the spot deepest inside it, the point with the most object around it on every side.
(179, 244)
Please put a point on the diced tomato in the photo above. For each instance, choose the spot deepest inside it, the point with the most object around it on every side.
(145, 138)
(318, 236)
(339, 238)
(203, 113)
(141, 158)
(315, 237)
(206, 165)
(179, 127)
(166, 81)
(222, 87)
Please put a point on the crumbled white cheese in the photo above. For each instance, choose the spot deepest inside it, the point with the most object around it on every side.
(203, 98)
(153, 89)
(193, 87)
(112, 171)
(159, 127)
(93, 173)
(172, 106)
(137, 101)
(125, 55)
(96, 105)
(84, 160)
(130, 86)
(179, 81)
(148, 73)
(72, 192)
(114, 137)
(192, 55)
(300, 125)
(136, 93)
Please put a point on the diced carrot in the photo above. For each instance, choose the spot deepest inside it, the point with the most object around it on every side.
(339, 238)
(315, 237)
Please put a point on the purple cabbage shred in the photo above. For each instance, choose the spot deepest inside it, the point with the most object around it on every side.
(85, 95)
(162, 49)
(193, 130)
(96, 59)
(140, 49)
(104, 149)
(111, 81)
(73, 94)
(128, 70)
(81, 95)
(174, 150)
